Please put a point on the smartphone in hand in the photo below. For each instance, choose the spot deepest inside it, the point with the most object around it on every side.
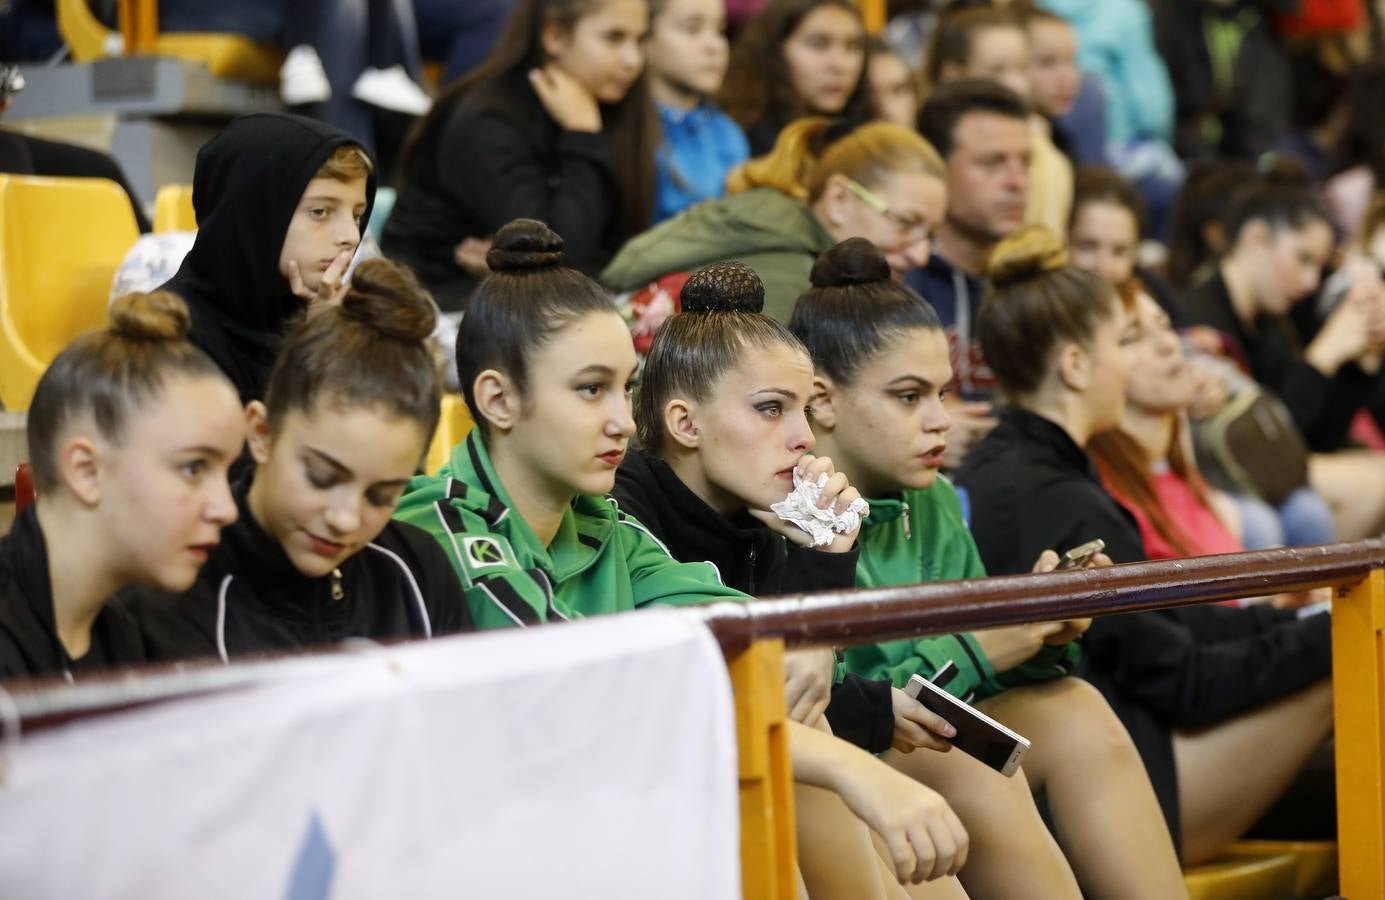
(1079, 556)
(978, 734)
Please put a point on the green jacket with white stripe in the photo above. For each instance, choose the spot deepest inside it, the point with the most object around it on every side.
(601, 560)
(917, 537)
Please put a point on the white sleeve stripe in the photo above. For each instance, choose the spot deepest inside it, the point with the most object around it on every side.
(413, 583)
(221, 619)
(503, 608)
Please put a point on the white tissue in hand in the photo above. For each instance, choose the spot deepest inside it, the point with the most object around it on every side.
(801, 508)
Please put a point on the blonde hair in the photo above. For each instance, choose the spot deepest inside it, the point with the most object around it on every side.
(799, 165)
(348, 162)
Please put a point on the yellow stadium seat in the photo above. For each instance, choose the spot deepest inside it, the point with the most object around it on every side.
(173, 209)
(453, 426)
(1242, 877)
(61, 240)
(225, 55)
(1316, 861)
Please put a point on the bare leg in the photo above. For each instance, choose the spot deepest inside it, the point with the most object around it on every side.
(835, 853)
(1353, 484)
(942, 889)
(1104, 809)
(837, 857)
(1231, 773)
(1012, 853)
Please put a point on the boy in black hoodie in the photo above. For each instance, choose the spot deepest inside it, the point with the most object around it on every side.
(280, 203)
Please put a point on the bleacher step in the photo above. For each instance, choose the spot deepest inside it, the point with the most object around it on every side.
(150, 113)
(140, 86)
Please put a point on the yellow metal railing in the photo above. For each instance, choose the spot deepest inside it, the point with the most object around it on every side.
(1358, 658)
(765, 773)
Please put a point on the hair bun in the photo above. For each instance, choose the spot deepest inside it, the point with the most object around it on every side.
(724, 287)
(387, 297)
(524, 244)
(853, 261)
(157, 316)
(1030, 251)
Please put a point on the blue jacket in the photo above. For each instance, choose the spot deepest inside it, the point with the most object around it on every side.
(700, 147)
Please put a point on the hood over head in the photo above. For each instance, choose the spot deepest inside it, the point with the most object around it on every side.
(246, 187)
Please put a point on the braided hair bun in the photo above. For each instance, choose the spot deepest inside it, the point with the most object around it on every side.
(724, 287)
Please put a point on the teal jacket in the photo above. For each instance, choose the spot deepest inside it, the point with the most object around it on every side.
(1115, 41)
(916, 537)
(601, 560)
(774, 234)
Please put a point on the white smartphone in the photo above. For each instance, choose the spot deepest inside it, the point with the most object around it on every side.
(978, 734)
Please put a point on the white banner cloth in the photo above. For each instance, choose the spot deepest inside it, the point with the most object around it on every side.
(590, 760)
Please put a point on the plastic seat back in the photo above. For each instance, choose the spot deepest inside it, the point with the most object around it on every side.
(173, 209)
(453, 426)
(230, 56)
(61, 240)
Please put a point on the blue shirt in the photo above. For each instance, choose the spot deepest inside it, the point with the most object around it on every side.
(956, 297)
(700, 147)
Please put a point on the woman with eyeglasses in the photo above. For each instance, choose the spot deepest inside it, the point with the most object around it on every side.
(818, 187)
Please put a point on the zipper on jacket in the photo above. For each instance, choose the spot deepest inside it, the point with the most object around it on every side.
(752, 570)
(906, 521)
(338, 591)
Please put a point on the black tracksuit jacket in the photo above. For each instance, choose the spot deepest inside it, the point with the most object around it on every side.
(29, 644)
(753, 559)
(1032, 488)
(249, 597)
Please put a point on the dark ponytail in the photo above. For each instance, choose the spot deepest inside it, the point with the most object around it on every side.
(855, 310)
(528, 297)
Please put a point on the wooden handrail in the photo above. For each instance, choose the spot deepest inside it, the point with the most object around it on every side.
(839, 618)
(844, 618)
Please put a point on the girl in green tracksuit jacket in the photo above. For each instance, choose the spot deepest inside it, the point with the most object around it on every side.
(881, 367)
(547, 363)
(519, 506)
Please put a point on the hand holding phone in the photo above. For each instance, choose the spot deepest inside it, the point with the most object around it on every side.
(1072, 630)
(978, 734)
(915, 725)
(1082, 556)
